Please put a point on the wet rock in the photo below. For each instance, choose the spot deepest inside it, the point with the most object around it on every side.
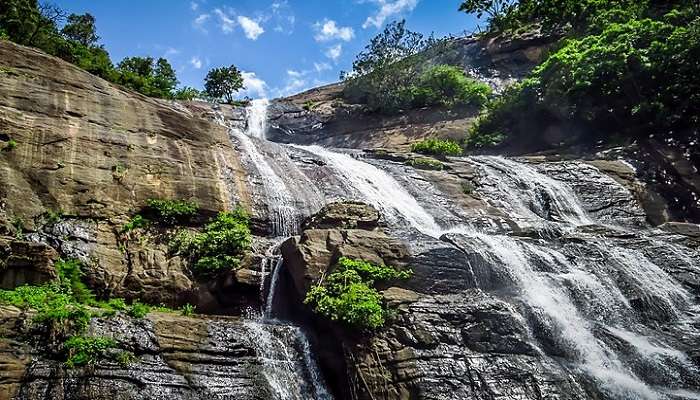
(685, 229)
(347, 215)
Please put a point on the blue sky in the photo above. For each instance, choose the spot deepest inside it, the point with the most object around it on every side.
(283, 46)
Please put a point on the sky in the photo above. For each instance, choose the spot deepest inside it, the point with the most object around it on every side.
(282, 46)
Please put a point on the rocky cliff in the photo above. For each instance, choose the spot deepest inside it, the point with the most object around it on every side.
(533, 278)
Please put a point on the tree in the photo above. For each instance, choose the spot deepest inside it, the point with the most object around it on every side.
(223, 83)
(187, 93)
(393, 44)
(147, 76)
(81, 28)
(496, 10)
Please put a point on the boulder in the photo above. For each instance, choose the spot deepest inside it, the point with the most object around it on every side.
(348, 215)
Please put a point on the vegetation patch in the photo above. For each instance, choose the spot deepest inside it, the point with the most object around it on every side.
(626, 69)
(172, 212)
(10, 145)
(437, 147)
(84, 350)
(348, 295)
(426, 163)
(220, 245)
(136, 222)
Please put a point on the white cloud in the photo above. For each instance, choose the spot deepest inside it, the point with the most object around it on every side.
(322, 66)
(199, 22)
(225, 20)
(334, 52)
(388, 8)
(194, 6)
(254, 87)
(295, 74)
(170, 51)
(283, 17)
(329, 30)
(196, 62)
(251, 28)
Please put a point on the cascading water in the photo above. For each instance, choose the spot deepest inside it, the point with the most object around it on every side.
(578, 294)
(284, 350)
(257, 118)
(526, 193)
(284, 215)
(379, 189)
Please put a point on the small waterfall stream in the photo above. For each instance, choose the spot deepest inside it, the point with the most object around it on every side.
(580, 294)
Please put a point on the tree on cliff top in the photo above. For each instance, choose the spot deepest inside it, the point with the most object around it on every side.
(82, 29)
(148, 76)
(223, 83)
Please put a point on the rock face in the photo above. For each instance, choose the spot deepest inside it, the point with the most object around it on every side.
(92, 153)
(175, 357)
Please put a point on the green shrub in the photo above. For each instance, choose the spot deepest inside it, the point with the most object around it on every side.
(348, 295)
(136, 222)
(468, 188)
(125, 358)
(437, 147)
(84, 350)
(51, 217)
(446, 85)
(219, 246)
(59, 311)
(309, 105)
(187, 310)
(138, 310)
(173, 212)
(426, 163)
(187, 94)
(70, 278)
(626, 77)
(11, 144)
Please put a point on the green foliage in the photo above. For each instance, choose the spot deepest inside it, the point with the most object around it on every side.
(58, 310)
(70, 279)
(496, 11)
(393, 44)
(309, 105)
(125, 358)
(31, 23)
(187, 94)
(187, 310)
(426, 163)
(51, 217)
(447, 86)
(138, 310)
(468, 188)
(172, 212)
(11, 144)
(437, 147)
(155, 78)
(85, 350)
(348, 295)
(136, 222)
(219, 246)
(223, 83)
(635, 78)
(81, 29)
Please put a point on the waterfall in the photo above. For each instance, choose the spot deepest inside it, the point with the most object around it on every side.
(379, 189)
(528, 194)
(257, 118)
(286, 362)
(587, 300)
(284, 215)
